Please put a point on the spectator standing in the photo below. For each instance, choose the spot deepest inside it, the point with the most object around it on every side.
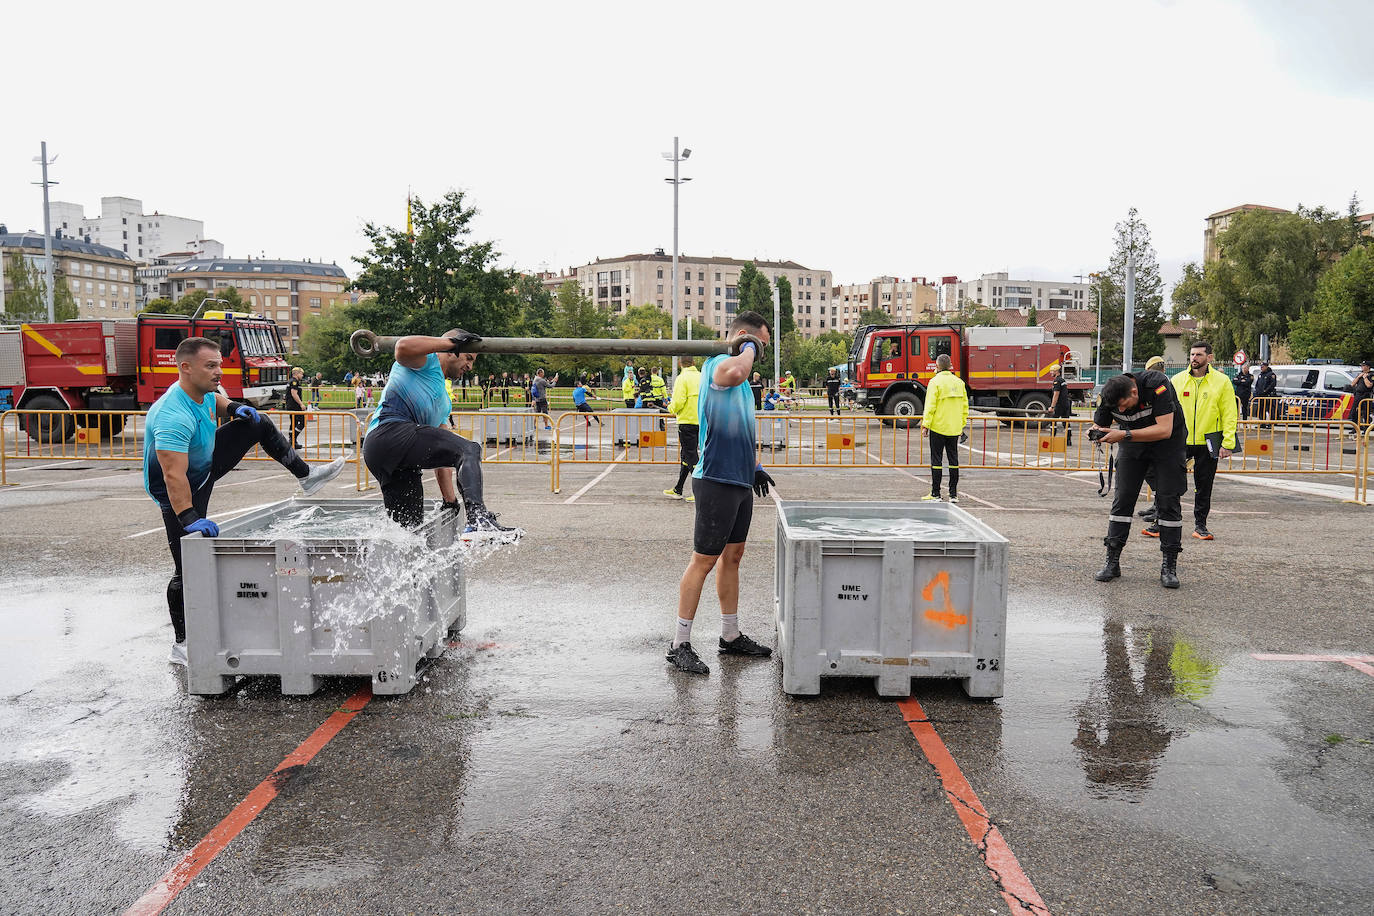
(756, 387)
(1362, 389)
(295, 403)
(832, 392)
(315, 384)
(1061, 405)
(686, 400)
(359, 393)
(1266, 390)
(505, 389)
(1243, 384)
(627, 386)
(946, 412)
(1209, 409)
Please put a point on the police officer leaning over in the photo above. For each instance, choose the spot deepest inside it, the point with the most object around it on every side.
(1152, 433)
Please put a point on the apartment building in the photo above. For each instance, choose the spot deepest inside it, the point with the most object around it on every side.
(123, 226)
(1000, 291)
(289, 292)
(1220, 221)
(101, 278)
(708, 287)
(154, 277)
(907, 301)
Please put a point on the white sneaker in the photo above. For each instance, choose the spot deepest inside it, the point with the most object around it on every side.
(485, 529)
(178, 656)
(319, 476)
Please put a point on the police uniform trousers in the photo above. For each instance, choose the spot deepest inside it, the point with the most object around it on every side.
(1164, 463)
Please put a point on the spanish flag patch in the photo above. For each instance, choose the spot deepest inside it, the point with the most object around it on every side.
(1160, 389)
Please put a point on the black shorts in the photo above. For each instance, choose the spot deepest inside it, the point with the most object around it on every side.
(724, 512)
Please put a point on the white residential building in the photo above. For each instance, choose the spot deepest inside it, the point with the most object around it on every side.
(123, 226)
(999, 291)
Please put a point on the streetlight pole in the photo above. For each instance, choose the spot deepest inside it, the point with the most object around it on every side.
(47, 232)
(675, 157)
(1097, 357)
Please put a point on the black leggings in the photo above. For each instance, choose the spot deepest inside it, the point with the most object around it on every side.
(397, 452)
(233, 440)
(944, 449)
(833, 402)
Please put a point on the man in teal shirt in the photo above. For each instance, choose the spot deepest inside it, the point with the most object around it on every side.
(185, 450)
(722, 483)
(407, 435)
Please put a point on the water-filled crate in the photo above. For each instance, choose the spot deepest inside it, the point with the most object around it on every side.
(891, 591)
(307, 588)
(500, 425)
(630, 425)
(772, 430)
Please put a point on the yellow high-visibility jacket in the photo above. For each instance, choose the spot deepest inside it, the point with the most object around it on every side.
(946, 409)
(628, 387)
(1209, 406)
(658, 386)
(685, 396)
(448, 386)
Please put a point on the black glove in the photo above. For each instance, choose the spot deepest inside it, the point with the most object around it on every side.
(737, 345)
(762, 482)
(455, 507)
(460, 338)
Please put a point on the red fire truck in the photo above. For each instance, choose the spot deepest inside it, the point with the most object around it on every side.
(126, 365)
(1002, 367)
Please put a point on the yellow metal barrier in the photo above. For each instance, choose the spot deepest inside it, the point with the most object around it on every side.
(506, 437)
(610, 438)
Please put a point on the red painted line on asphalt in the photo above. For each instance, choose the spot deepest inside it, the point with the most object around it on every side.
(1359, 666)
(1015, 887)
(158, 897)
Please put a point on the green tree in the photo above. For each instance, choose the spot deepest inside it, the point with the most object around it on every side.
(1341, 322)
(437, 278)
(875, 316)
(1132, 235)
(324, 341)
(1031, 317)
(755, 292)
(536, 306)
(1264, 279)
(574, 315)
(819, 354)
(787, 319)
(159, 306)
(189, 304)
(647, 322)
(26, 301)
(973, 314)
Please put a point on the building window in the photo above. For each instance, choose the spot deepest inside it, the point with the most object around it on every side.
(660, 286)
(701, 290)
(314, 303)
(660, 273)
(717, 288)
(717, 276)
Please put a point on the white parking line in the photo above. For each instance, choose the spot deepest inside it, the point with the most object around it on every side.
(217, 517)
(54, 483)
(600, 477)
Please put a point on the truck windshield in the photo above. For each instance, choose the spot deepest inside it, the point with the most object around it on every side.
(256, 341)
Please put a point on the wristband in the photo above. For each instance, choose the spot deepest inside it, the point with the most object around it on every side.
(188, 518)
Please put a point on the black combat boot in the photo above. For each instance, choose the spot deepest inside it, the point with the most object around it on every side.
(1168, 571)
(1112, 568)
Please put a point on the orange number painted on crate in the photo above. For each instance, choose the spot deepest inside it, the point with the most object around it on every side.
(948, 617)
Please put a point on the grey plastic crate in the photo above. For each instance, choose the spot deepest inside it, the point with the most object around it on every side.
(509, 428)
(307, 607)
(772, 430)
(855, 600)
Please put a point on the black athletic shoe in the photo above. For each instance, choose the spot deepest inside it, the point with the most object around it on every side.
(743, 645)
(684, 658)
(1149, 513)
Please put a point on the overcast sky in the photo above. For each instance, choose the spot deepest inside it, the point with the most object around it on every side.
(864, 138)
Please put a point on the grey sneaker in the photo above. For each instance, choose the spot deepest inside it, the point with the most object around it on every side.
(483, 527)
(684, 658)
(319, 476)
(178, 656)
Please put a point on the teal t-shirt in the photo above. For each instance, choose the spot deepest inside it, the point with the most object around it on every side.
(176, 423)
(727, 437)
(416, 396)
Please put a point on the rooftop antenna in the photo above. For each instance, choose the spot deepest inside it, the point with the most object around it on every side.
(47, 231)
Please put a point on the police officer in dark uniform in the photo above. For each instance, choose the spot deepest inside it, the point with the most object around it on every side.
(1153, 436)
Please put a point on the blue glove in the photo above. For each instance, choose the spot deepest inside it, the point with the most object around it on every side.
(745, 341)
(762, 482)
(204, 525)
(244, 412)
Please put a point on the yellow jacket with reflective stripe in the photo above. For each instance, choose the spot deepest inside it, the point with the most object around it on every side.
(1209, 406)
(946, 409)
(657, 385)
(685, 394)
(448, 386)
(628, 388)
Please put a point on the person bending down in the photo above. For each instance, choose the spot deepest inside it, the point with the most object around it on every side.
(722, 482)
(406, 436)
(184, 453)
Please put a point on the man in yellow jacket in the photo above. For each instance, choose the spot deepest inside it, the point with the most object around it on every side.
(945, 414)
(686, 393)
(627, 386)
(1209, 406)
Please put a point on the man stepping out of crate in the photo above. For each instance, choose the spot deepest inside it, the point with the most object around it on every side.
(184, 454)
(725, 475)
(407, 435)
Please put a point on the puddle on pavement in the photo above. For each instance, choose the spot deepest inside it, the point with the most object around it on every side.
(1131, 721)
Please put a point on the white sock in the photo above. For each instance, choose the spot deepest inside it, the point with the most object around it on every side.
(684, 632)
(729, 626)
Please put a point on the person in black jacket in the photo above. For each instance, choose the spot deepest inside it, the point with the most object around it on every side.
(1363, 389)
(1243, 383)
(1153, 434)
(832, 391)
(1266, 386)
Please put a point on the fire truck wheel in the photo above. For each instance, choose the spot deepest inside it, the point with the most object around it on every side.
(903, 404)
(49, 429)
(1034, 403)
(109, 424)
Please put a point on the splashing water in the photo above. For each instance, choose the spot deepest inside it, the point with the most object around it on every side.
(885, 528)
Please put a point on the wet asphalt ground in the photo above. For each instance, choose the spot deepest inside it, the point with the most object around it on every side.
(1141, 760)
